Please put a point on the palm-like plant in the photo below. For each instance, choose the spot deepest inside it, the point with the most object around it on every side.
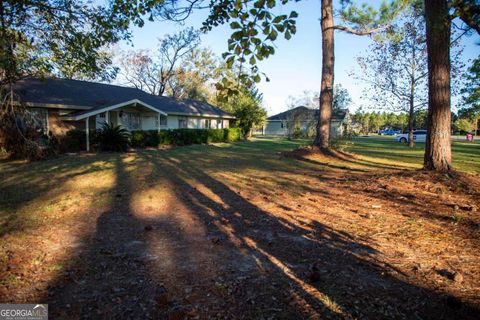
(113, 138)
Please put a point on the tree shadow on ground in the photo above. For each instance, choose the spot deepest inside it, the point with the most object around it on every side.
(108, 278)
(20, 185)
(210, 252)
(347, 266)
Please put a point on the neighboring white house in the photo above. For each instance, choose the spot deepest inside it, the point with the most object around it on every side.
(64, 104)
(304, 120)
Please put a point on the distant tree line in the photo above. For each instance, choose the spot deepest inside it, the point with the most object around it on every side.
(371, 122)
(368, 122)
(469, 115)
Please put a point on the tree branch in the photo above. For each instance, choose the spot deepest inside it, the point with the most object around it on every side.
(360, 32)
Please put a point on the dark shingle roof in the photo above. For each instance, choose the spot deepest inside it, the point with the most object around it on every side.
(97, 95)
(307, 113)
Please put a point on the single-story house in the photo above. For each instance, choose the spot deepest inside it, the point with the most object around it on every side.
(304, 120)
(61, 105)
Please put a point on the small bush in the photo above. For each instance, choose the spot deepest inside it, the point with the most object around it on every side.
(165, 137)
(215, 135)
(113, 138)
(232, 134)
(74, 140)
(142, 139)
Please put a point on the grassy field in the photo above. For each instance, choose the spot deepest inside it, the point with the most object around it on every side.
(384, 149)
(230, 230)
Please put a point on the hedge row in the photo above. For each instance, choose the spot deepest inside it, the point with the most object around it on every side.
(182, 137)
(75, 139)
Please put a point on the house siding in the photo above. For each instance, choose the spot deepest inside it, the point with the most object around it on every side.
(148, 121)
(275, 128)
(172, 122)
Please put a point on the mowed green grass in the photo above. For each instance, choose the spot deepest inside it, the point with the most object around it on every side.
(386, 150)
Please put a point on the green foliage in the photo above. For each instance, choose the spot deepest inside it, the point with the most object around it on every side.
(420, 119)
(367, 122)
(471, 92)
(142, 139)
(468, 11)
(75, 140)
(364, 17)
(232, 134)
(113, 138)
(46, 36)
(182, 137)
(465, 125)
(215, 135)
(248, 111)
(341, 98)
(255, 28)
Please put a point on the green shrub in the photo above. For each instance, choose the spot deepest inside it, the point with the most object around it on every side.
(137, 139)
(113, 138)
(74, 140)
(142, 139)
(215, 135)
(232, 134)
(165, 137)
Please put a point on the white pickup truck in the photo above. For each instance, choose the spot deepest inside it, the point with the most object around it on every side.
(418, 136)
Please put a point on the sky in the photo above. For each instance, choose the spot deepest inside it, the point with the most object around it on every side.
(296, 65)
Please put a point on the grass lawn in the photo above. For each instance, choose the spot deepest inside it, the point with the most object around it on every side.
(243, 231)
(384, 149)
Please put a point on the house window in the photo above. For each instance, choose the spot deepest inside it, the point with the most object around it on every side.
(101, 119)
(182, 122)
(40, 118)
(163, 121)
(207, 123)
(131, 121)
(214, 123)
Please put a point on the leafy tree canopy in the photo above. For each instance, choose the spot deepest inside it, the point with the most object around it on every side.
(45, 36)
(471, 92)
(363, 18)
(246, 106)
(255, 28)
(341, 98)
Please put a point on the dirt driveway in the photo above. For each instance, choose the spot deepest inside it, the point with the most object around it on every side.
(238, 232)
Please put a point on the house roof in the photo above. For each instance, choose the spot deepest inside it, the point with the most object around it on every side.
(94, 111)
(85, 95)
(307, 114)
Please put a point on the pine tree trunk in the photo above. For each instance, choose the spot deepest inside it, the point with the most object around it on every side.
(328, 61)
(438, 154)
